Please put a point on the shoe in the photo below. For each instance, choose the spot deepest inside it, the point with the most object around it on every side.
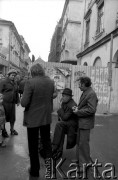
(14, 132)
(2, 144)
(5, 134)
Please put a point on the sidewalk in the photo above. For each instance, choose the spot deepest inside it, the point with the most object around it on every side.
(14, 159)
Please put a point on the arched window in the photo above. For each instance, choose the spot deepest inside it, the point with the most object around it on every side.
(115, 60)
(85, 64)
(97, 62)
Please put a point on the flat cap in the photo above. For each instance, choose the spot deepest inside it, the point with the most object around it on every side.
(12, 71)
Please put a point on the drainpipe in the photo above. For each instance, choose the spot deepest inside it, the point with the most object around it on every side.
(110, 70)
(83, 25)
(83, 28)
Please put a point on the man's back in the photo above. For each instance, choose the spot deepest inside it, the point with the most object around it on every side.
(37, 100)
(21, 86)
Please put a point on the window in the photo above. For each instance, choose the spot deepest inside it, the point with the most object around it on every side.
(100, 18)
(87, 30)
(115, 60)
(85, 64)
(97, 62)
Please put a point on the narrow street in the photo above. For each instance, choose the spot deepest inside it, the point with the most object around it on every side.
(14, 159)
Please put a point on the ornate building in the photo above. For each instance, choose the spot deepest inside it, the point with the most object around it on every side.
(100, 34)
(12, 46)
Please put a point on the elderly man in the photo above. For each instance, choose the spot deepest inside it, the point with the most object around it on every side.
(67, 125)
(85, 111)
(9, 89)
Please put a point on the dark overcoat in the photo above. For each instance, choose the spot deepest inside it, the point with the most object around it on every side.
(21, 86)
(70, 121)
(37, 100)
(9, 89)
(86, 109)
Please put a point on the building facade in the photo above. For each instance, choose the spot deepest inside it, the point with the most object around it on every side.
(11, 46)
(26, 62)
(55, 46)
(100, 34)
(72, 22)
(3, 64)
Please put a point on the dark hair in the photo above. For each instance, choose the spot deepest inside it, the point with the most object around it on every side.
(37, 70)
(85, 80)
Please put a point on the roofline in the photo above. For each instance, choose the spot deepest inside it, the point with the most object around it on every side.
(11, 25)
(27, 47)
(64, 9)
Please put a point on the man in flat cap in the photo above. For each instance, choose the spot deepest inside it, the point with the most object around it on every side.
(67, 125)
(9, 89)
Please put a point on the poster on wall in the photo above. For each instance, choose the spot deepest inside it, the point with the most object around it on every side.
(59, 84)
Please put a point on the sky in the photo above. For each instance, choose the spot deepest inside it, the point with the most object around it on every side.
(35, 20)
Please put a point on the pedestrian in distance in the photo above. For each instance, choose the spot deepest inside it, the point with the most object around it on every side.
(67, 125)
(2, 121)
(37, 100)
(85, 112)
(9, 89)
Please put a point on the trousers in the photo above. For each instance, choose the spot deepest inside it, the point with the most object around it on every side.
(83, 147)
(33, 144)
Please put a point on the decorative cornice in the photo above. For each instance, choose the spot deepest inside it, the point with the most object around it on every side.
(74, 22)
(87, 14)
(99, 2)
(65, 7)
(99, 43)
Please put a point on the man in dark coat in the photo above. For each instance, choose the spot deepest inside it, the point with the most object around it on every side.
(85, 111)
(9, 89)
(67, 125)
(37, 100)
(22, 85)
